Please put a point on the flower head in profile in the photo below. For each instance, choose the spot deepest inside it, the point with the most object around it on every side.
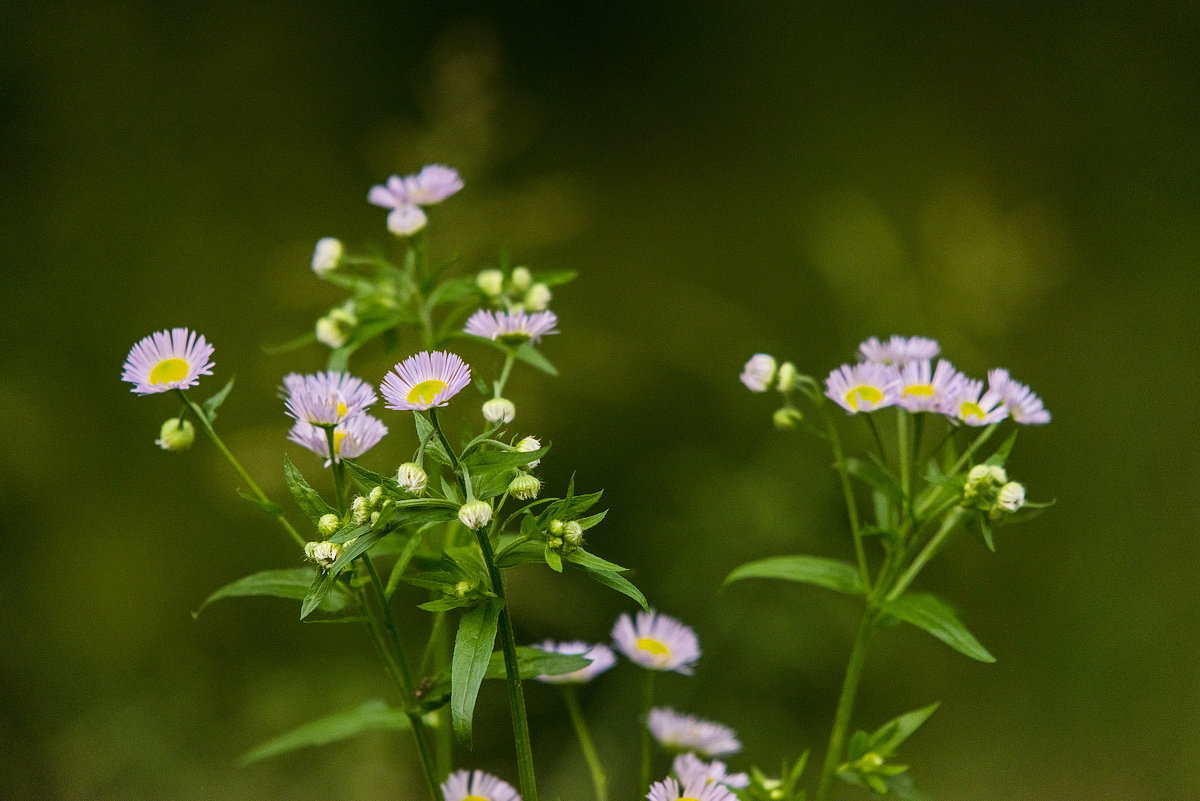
(924, 388)
(759, 372)
(679, 732)
(700, 790)
(168, 360)
(969, 403)
(405, 195)
(327, 255)
(425, 380)
(601, 655)
(325, 398)
(1023, 405)
(690, 769)
(351, 438)
(511, 328)
(898, 351)
(476, 785)
(406, 220)
(657, 642)
(863, 387)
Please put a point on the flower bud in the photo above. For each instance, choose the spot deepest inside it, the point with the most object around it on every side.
(981, 473)
(412, 478)
(1011, 497)
(525, 487)
(529, 445)
(176, 435)
(375, 496)
(557, 526)
(572, 533)
(475, 514)
(490, 282)
(521, 278)
(538, 298)
(374, 518)
(360, 510)
(785, 379)
(334, 329)
(328, 524)
(463, 587)
(327, 255)
(499, 410)
(323, 554)
(758, 372)
(787, 418)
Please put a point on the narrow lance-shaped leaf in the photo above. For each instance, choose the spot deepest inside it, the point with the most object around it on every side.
(472, 652)
(828, 573)
(293, 584)
(373, 715)
(307, 498)
(890, 735)
(211, 405)
(937, 618)
(617, 582)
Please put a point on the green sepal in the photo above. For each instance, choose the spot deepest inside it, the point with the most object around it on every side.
(831, 574)
(374, 715)
(473, 646)
(938, 618)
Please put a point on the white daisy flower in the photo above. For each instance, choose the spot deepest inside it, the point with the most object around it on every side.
(168, 360)
(969, 403)
(863, 387)
(690, 768)
(657, 642)
(924, 388)
(327, 255)
(425, 380)
(326, 398)
(475, 785)
(601, 655)
(1023, 405)
(511, 328)
(679, 732)
(671, 790)
(899, 351)
(351, 438)
(758, 372)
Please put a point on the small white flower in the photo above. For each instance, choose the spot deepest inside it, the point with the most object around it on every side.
(499, 410)
(987, 473)
(406, 220)
(657, 642)
(601, 655)
(759, 372)
(679, 732)
(1011, 497)
(490, 282)
(324, 554)
(412, 478)
(899, 351)
(475, 785)
(521, 278)
(702, 790)
(327, 255)
(529, 445)
(475, 514)
(334, 329)
(690, 769)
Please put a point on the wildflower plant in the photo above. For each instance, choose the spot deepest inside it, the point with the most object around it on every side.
(938, 479)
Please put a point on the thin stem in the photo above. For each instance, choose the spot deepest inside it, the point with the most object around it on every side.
(845, 707)
(974, 446)
(437, 427)
(902, 456)
(512, 671)
(928, 552)
(839, 462)
(595, 767)
(337, 468)
(647, 753)
(509, 357)
(259, 495)
(875, 433)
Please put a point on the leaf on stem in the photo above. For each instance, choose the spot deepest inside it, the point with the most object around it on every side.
(292, 584)
(473, 646)
(831, 574)
(374, 715)
(210, 406)
(617, 582)
(307, 498)
(937, 618)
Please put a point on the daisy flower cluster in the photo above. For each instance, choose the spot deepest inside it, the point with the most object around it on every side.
(405, 197)
(330, 414)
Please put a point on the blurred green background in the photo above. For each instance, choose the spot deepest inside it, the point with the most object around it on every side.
(1017, 180)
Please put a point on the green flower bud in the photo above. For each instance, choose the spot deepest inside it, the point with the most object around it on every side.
(463, 588)
(491, 282)
(557, 526)
(521, 278)
(412, 478)
(475, 514)
(324, 554)
(785, 378)
(787, 418)
(538, 298)
(529, 445)
(572, 533)
(375, 496)
(499, 410)
(334, 329)
(360, 510)
(328, 524)
(374, 518)
(525, 487)
(1010, 498)
(176, 435)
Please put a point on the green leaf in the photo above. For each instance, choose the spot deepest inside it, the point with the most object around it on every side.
(534, 662)
(591, 521)
(553, 559)
(486, 462)
(937, 618)
(211, 405)
(590, 560)
(985, 529)
(828, 573)
(617, 582)
(318, 591)
(555, 277)
(307, 498)
(875, 477)
(428, 436)
(271, 508)
(888, 737)
(1000, 457)
(292, 583)
(302, 341)
(531, 356)
(373, 715)
(472, 652)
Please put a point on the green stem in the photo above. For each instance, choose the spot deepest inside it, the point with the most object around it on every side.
(647, 752)
(599, 780)
(976, 445)
(875, 433)
(337, 468)
(512, 671)
(259, 495)
(509, 357)
(845, 707)
(928, 552)
(839, 462)
(902, 456)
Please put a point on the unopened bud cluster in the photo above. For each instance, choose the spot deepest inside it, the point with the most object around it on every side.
(988, 489)
(323, 554)
(517, 291)
(565, 536)
(335, 328)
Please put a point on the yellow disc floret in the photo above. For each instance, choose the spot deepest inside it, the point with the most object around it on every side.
(866, 393)
(169, 370)
(426, 391)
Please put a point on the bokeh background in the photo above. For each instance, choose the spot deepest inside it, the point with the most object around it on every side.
(1018, 180)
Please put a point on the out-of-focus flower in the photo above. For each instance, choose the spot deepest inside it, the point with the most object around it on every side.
(351, 438)
(601, 655)
(758, 372)
(863, 387)
(1023, 405)
(657, 642)
(511, 328)
(679, 732)
(899, 351)
(327, 255)
(475, 785)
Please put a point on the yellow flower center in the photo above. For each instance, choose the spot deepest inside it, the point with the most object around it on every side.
(653, 646)
(969, 409)
(342, 408)
(689, 799)
(169, 370)
(425, 392)
(476, 798)
(919, 389)
(864, 393)
(338, 436)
